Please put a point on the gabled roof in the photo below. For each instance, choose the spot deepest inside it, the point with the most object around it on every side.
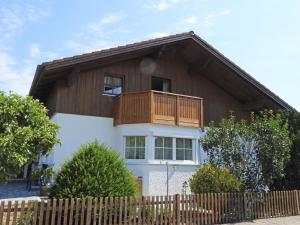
(143, 45)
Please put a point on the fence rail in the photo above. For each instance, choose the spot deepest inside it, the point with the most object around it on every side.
(207, 208)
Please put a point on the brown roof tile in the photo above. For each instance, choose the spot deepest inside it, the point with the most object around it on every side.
(103, 51)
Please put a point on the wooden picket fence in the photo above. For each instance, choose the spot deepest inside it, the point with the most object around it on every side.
(207, 208)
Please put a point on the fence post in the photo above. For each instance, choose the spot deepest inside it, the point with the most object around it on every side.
(246, 206)
(177, 212)
(297, 202)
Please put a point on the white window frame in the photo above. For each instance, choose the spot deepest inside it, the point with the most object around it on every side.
(163, 148)
(145, 147)
(184, 149)
(174, 147)
(113, 86)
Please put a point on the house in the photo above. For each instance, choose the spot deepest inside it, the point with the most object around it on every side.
(150, 101)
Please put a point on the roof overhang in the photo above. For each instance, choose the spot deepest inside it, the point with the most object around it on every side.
(43, 70)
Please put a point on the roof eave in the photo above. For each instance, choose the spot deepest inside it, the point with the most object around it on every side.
(156, 42)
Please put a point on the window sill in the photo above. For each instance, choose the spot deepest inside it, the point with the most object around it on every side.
(110, 95)
(162, 162)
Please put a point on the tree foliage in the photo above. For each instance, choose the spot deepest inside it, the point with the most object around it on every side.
(209, 178)
(291, 179)
(95, 170)
(25, 132)
(254, 151)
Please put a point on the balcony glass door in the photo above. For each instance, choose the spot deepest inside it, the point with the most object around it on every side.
(160, 84)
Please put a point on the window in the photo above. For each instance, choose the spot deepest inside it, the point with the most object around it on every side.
(161, 84)
(163, 148)
(112, 85)
(135, 147)
(184, 149)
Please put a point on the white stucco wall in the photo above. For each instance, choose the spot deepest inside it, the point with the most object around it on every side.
(155, 177)
(76, 130)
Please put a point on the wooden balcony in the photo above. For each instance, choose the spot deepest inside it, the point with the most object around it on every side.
(159, 108)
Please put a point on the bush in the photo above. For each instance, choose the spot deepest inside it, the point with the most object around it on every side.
(26, 132)
(209, 178)
(95, 170)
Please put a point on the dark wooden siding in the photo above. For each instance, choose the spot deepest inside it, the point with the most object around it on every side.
(84, 94)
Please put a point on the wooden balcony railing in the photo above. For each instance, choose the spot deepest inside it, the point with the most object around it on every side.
(158, 107)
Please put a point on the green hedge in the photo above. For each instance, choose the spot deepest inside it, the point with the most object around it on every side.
(209, 178)
(95, 170)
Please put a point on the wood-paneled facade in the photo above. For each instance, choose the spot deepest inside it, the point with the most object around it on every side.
(75, 85)
(82, 93)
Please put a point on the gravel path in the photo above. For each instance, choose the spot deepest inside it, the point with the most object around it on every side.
(291, 220)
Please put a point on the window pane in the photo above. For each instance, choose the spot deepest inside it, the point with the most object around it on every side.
(159, 153)
(130, 141)
(117, 90)
(179, 143)
(135, 147)
(166, 86)
(184, 149)
(179, 154)
(117, 81)
(108, 80)
(188, 143)
(158, 142)
(112, 85)
(129, 153)
(168, 154)
(168, 142)
(108, 90)
(188, 155)
(140, 142)
(140, 153)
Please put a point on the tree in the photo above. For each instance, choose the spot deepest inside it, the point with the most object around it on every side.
(254, 151)
(25, 132)
(95, 170)
(291, 179)
(209, 178)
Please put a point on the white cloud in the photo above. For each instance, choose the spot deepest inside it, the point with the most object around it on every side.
(158, 34)
(34, 14)
(34, 50)
(97, 27)
(94, 36)
(17, 74)
(112, 18)
(161, 5)
(11, 78)
(225, 13)
(211, 19)
(13, 19)
(188, 23)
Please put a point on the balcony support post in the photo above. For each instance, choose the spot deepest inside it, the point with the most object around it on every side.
(177, 111)
(201, 119)
(151, 106)
(121, 109)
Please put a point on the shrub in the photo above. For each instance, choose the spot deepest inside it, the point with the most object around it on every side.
(26, 131)
(255, 151)
(209, 178)
(95, 170)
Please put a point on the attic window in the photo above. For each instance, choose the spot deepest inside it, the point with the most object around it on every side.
(112, 85)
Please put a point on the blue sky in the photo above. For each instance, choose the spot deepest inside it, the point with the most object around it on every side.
(262, 37)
